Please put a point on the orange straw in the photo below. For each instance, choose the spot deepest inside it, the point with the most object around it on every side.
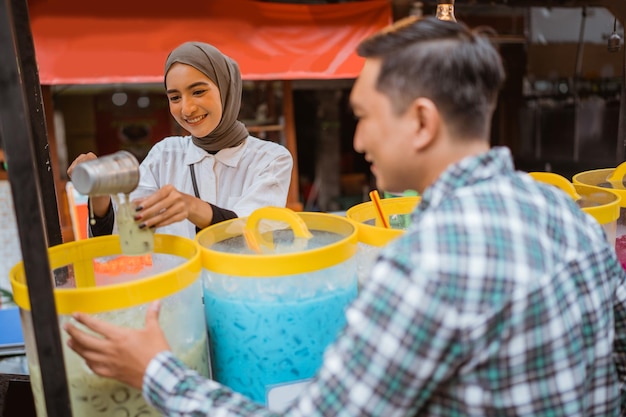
(379, 209)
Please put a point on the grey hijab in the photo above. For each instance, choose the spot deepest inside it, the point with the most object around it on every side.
(224, 72)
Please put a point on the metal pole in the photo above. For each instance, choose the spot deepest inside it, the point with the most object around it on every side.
(21, 119)
(621, 127)
(577, 76)
(43, 163)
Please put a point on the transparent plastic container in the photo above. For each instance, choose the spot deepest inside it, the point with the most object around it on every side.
(602, 204)
(276, 287)
(610, 179)
(93, 277)
(372, 235)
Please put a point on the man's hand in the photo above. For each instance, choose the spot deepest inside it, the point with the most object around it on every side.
(119, 352)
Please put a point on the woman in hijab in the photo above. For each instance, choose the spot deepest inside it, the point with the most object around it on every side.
(217, 173)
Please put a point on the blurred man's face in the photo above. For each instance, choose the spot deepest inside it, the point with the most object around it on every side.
(381, 135)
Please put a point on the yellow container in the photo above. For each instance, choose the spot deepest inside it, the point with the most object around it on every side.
(610, 179)
(276, 286)
(372, 234)
(603, 205)
(118, 289)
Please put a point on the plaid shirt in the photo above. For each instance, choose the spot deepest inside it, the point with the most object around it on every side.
(502, 299)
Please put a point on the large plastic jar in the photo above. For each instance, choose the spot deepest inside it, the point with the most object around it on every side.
(602, 205)
(372, 234)
(92, 277)
(610, 179)
(276, 287)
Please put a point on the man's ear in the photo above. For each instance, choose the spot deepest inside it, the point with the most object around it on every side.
(428, 120)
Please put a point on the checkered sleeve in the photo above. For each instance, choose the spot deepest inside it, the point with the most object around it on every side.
(176, 391)
(620, 332)
(397, 347)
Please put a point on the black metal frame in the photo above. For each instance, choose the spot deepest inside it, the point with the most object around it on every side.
(24, 136)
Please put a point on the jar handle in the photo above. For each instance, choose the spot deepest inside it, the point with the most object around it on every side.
(617, 176)
(558, 181)
(253, 236)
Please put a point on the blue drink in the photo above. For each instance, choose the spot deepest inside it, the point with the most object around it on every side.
(258, 344)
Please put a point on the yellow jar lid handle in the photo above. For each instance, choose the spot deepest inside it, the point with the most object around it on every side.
(558, 181)
(252, 233)
(617, 176)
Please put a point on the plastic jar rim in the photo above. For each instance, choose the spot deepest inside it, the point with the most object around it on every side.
(576, 179)
(605, 213)
(277, 265)
(378, 235)
(92, 299)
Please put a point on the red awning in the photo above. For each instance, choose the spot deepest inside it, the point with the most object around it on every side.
(85, 42)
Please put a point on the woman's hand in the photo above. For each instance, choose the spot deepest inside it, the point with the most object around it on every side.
(100, 204)
(168, 205)
(83, 157)
(119, 352)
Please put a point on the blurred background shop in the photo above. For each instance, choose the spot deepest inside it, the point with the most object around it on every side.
(102, 82)
(100, 70)
(101, 78)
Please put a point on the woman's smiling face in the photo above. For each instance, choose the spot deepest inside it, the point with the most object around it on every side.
(195, 101)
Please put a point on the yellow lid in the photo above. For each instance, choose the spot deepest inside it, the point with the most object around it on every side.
(91, 299)
(606, 178)
(271, 264)
(601, 203)
(377, 235)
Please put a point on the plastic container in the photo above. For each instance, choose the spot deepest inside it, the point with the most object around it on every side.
(610, 179)
(372, 235)
(276, 286)
(602, 205)
(91, 277)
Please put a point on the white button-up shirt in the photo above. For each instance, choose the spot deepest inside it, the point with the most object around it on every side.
(255, 174)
